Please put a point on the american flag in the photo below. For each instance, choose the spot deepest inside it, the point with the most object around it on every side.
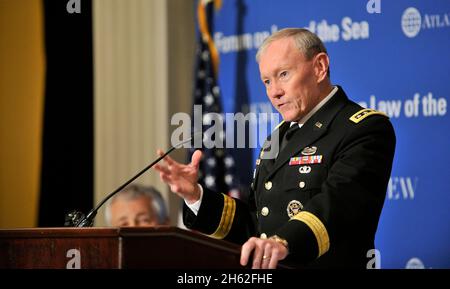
(217, 168)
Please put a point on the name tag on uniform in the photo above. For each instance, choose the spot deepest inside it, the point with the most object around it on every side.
(305, 160)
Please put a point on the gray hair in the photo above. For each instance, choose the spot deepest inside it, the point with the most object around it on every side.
(307, 42)
(135, 191)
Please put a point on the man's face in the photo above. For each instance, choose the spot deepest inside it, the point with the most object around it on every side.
(289, 78)
(132, 213)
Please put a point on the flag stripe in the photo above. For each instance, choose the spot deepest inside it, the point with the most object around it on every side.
(217, 168)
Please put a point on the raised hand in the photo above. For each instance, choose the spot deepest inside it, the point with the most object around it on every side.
(182, 179)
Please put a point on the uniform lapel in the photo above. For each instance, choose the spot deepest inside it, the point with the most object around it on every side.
(266, 164)
(311, 131)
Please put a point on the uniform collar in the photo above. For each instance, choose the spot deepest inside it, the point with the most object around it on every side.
(313, 129)
(316, 108)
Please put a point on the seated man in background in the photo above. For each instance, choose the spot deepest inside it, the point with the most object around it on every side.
(137, 206)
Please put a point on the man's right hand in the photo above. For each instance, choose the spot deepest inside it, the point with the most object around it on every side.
(182, 179)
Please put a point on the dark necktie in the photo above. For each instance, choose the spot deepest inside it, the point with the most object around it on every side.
(288, 135)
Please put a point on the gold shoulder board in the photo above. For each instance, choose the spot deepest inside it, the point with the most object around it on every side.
(363, 113)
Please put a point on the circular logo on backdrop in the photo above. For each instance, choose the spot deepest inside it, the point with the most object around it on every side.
(415, 263)
(411, 22)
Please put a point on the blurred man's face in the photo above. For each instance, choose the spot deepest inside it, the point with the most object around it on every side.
(133, 213)
(289, 78)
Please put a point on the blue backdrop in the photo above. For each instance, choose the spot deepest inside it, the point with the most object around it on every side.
(393, 56)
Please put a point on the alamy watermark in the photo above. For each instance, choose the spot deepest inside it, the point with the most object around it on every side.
(242, 130)
(73, 6)
(74, 261)
(373, 6)
(374, 256)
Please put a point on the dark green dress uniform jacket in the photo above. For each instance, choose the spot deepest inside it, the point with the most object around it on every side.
(323, 192)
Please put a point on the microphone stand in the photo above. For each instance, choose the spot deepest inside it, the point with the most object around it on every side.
(77, 219)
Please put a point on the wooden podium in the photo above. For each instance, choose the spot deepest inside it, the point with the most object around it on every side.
(89, 248)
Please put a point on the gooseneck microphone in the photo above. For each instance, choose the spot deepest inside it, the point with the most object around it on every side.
(78, 219)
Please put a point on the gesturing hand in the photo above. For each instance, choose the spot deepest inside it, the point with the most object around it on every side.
(182, 179)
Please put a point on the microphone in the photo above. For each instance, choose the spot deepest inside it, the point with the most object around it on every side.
(78, 219)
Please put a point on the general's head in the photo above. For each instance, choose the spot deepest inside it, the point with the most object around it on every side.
(294, 68)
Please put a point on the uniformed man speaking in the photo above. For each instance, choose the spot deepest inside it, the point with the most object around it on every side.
(318, 201)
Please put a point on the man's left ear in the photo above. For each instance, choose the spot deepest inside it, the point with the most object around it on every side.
(321, 65)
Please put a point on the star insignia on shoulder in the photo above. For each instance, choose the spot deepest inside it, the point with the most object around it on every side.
(364, 113)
